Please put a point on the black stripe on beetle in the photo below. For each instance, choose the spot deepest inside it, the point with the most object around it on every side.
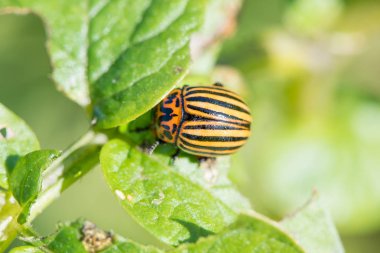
(205, 92)
(217, 102)
(213, 138)
(215, 113)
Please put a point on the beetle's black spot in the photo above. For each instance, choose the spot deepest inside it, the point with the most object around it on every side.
(186, 116)
(174, 115)
(168, 135)
(177, 103)
(170, 98)
(173, 95)
(174, 128)
(167, 114)
(166, 127)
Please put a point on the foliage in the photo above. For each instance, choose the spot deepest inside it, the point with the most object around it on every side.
(26, 178)
(16, 139)
(117, 59)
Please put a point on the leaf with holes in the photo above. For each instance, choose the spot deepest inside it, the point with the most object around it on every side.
(16, 139)
(120, 56)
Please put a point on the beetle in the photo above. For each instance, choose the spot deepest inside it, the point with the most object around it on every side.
(206, 121)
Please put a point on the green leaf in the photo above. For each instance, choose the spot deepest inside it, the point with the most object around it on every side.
(26, 249)
(66, 239)
(72, 165)
(123, 54)
(212, 177)
(74, 162)
(314, 229)
(163, 200)
(124, 245)
(156, 60)
(16, 139)
(25, 180)
(250, 233)
(9, 210)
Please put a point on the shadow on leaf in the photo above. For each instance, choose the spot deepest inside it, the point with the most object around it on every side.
(195, 231)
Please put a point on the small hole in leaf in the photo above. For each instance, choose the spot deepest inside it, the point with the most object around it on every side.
(5, 133)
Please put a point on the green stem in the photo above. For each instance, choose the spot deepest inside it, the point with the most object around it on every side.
(74, 162)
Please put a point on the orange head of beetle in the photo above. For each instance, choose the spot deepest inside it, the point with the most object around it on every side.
(168, 116)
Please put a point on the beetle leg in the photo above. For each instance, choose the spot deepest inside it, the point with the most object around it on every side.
(207, 162)
(149, 148)
(174, 156)
(218, 84)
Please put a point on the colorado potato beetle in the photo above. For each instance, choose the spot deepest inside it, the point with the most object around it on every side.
(206, 121)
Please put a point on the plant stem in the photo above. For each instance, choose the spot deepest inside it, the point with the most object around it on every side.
(75, 161)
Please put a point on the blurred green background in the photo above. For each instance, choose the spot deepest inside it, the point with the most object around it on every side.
(311, 69)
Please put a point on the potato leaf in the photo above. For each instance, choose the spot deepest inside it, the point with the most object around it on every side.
(82, 237)
(250, 233)
(121, 56)
(163, 200)
(16, 139)
(211, 175)
(26, 179)
(26, 249)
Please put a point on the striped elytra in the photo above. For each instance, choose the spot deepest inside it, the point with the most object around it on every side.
(206, 121)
